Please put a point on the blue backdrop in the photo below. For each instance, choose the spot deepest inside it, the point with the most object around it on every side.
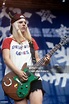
(48, 28)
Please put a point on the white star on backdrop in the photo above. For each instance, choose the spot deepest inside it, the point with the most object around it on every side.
(62, 31)
(4, 13)
(46, 15)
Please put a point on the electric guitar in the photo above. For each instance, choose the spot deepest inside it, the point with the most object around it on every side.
(18, 90)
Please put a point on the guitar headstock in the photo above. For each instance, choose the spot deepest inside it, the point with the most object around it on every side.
(64, 40)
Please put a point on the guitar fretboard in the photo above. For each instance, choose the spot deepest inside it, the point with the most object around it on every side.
(51, 52)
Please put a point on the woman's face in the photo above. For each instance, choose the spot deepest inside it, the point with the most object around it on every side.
(22, 25)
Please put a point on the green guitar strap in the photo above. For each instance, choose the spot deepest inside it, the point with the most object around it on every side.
(32, 52)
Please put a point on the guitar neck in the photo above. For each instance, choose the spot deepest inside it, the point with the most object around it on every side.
(51, 52)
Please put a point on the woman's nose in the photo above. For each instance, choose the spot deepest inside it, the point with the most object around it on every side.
(23, 24)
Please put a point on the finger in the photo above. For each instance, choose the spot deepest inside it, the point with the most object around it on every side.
(46, 59)
(24, 79)
(25, 75)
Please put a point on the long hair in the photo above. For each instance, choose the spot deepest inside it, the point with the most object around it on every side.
(18, 36)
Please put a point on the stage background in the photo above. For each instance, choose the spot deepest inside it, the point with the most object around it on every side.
(47, 27)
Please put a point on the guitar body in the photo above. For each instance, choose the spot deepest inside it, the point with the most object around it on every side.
(16, 89)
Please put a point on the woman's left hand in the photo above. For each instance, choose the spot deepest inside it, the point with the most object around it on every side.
(46, 60)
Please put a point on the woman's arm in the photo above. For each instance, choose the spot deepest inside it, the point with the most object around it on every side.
(9, 63)
(37, 56)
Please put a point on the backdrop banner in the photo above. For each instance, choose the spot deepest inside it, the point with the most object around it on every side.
(48, 28)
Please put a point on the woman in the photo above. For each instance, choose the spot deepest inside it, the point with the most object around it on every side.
(16, 52)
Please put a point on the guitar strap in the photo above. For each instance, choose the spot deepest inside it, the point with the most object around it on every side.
(32, 52)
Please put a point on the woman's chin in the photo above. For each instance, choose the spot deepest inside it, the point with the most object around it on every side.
(23, 31)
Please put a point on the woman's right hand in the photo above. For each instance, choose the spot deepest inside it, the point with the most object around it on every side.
(22, 76)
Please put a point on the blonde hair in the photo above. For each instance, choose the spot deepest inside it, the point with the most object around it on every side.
(27, 35)
(18, 36)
